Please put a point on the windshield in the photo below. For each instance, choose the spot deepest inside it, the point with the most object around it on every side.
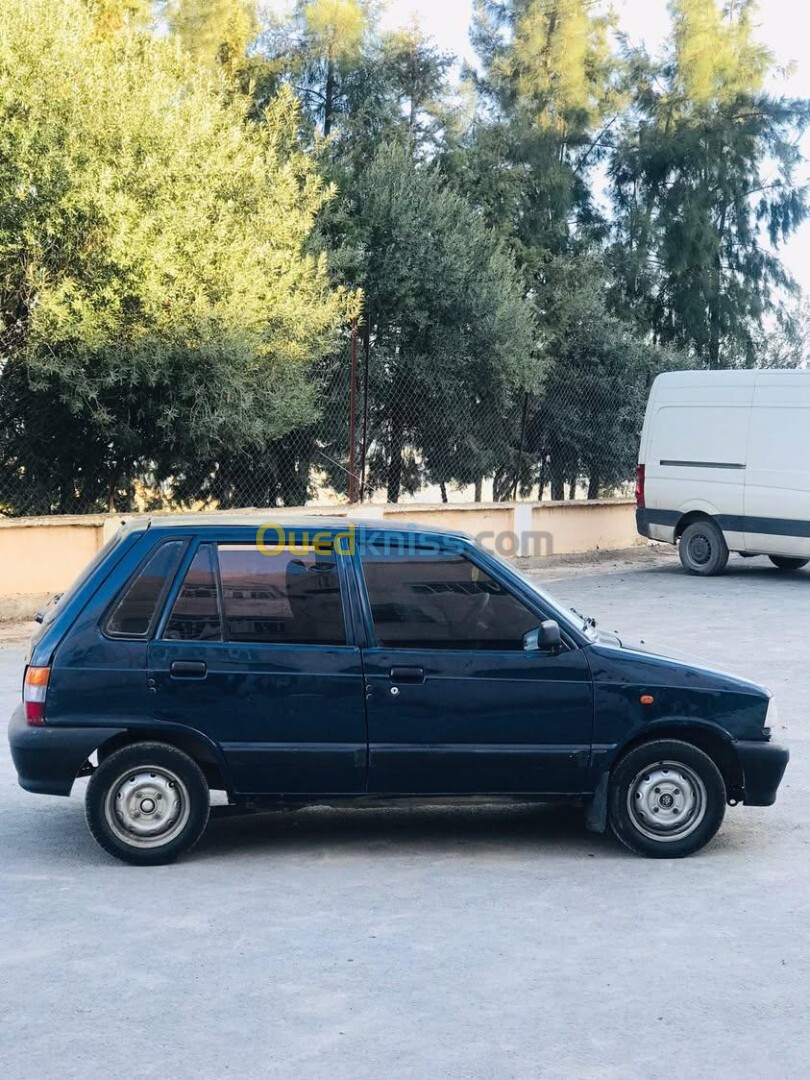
(583, 622)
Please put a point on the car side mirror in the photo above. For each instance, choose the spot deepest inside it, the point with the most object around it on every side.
(546, 638)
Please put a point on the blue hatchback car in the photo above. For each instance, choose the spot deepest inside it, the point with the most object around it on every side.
(320, 662)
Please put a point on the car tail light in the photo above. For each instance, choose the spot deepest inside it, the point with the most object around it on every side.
(34, 691)
(640, 487)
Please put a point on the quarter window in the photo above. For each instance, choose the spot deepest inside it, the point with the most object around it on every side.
(134, 613)
(195, 615)
(435, 600)
(290, 597)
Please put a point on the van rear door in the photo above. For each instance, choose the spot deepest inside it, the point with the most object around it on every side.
(777, 484)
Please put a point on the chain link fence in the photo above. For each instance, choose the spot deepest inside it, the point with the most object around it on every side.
(381, 434)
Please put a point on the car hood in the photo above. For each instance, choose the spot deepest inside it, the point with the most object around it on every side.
(669, 664)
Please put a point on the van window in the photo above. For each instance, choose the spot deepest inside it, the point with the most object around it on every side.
(134, 613)
(291, 597)
(438, 600)
(195, 615)
(700, 435)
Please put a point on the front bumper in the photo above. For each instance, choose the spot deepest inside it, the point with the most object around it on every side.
(763, 765)
(47, 759)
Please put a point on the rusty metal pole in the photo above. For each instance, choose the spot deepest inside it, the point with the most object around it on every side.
(353, 417)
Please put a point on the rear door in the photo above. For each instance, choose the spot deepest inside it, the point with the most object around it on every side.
(454, 702)
(255, 650)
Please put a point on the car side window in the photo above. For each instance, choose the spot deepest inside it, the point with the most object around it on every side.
(136, 609)
(288, 597)
(440, 600)
(195, 615)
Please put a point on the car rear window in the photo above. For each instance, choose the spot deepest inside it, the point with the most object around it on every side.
(134, 613)
(287, 597)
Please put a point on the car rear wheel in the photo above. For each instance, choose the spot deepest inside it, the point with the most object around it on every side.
(147, 803)
(667, 799)
(782, 562)
(703, 549)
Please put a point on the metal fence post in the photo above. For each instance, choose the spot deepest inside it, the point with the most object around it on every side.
(364, 444)
(353, 417)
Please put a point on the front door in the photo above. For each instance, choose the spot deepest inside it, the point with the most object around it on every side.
(454, 703)
(254, 652)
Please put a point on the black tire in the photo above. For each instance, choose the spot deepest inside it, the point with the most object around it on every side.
(703, 549)
(782, 562)
(159, 818)
(656, 778)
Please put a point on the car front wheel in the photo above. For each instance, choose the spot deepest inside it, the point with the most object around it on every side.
(147, 803)
(667, 799)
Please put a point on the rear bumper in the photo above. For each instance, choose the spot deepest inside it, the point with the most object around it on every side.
(657, 524)
(47, 759)
(763, 766)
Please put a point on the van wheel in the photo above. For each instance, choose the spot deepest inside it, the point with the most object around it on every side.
(703, 548)
(667, 799)
(147, 803)
(782, 562)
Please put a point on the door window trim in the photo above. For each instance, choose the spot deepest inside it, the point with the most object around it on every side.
(166, 588)
(171, 597)
(216, 541)
(203, 542)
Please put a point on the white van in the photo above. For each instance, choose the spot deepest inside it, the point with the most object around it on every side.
(724, 466)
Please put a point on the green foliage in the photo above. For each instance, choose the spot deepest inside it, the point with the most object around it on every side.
(188, 221)
(215, 32)
(153, 289)
(111, 16)
(705, 190)
(556, 64)
(454, 340)
(716, 58)
(600, 369)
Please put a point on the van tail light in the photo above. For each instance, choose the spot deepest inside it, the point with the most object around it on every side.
(640, 487)
(35, 688)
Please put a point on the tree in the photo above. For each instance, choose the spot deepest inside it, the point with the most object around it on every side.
(155, 302)
(415, 74)
(705, 189)
(549, 90)
(453, 338)
(215, 32)
(598, 374)
(111, 16)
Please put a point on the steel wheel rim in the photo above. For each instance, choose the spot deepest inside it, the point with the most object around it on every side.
(699, 548)
(667, 801)
(147, 807)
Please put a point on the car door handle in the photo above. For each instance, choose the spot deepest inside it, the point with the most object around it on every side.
(188, 669)
(407, 675)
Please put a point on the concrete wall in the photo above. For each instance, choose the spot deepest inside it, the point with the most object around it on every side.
(41, 556)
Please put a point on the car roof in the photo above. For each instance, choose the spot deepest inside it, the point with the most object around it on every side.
(315, 523)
